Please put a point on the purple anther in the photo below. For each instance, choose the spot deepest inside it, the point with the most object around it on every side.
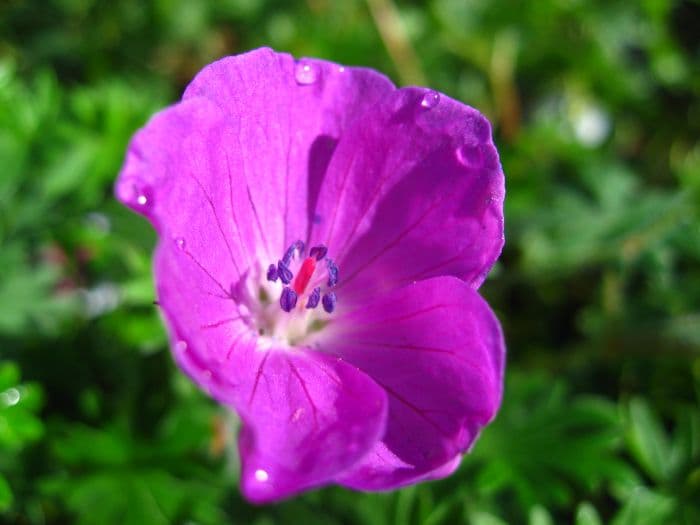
(296, 245)
(284, 272)
(314, 298)
(329, 301)
(319, 252)
(272, 273)
(332, 273)
(288, 299)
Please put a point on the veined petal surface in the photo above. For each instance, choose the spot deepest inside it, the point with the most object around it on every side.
(437, 350)
(412, 192)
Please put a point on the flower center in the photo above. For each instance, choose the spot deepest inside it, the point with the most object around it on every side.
(284, 301)
(306, 273)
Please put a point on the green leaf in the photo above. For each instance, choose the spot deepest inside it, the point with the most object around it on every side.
(648, 441)
(5, 494)
(645, 507)
(540, 516)
(546, 445)
(19, 425)
(587, 515)
(485, 518)
(9, 374)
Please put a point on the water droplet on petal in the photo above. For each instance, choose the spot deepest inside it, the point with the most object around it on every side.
(430, 99)
(261, 475)
(135, 193)
(180, 243)
(244, 311)
(481, 129)
(180, 346)
(306, 73)
(341, 69)
(469, 155)
(144, 196)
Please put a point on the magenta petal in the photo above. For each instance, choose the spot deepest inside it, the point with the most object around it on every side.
(309, 418)
(183, 174)
(226, 176)
(248, 134)
(437, 350)
(291, 115)
(414, 190)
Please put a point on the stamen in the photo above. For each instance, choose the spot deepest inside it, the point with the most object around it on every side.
(304, 275)
(284, 272)
(272, 273)
(329, 301)
(332, 273)
(296, 245)
(288, 299)
(319, 252)
(296, 276)
(314, 298)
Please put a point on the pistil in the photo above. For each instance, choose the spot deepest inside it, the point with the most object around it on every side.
(304, 275)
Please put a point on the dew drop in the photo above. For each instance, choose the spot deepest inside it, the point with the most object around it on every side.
(143, 196)
(10, 397)
(481, 129)
(180, 346)
(341, 69)
(135, 193)
(180, 243)
(430, 99)
(261, 475)
(469, 155)
(244, 311)
(306, 73)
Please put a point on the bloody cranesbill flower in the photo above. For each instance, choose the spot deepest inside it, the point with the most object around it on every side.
(322, 235)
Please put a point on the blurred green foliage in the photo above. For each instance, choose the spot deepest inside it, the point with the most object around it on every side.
(596, 111)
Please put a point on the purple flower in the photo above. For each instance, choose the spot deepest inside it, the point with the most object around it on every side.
(322, 236)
